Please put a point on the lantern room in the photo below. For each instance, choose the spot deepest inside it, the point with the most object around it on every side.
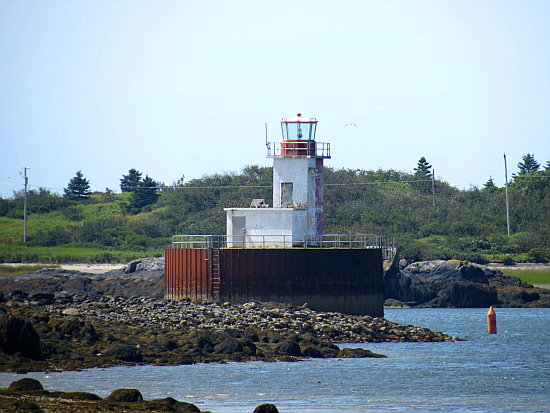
(298, 128)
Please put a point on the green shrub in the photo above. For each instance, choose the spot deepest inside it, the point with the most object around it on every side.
(538, 255)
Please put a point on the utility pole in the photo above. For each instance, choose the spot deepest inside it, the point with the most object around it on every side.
(25, 205)
(506, 192)
(433, 188)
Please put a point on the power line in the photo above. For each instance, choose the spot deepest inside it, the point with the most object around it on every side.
(171, 187)
(247, 186)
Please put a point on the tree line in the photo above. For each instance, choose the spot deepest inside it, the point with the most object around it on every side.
(468, 224)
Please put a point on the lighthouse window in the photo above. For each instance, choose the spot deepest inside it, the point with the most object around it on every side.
(286, 194)
(298, 130)
(313, 126)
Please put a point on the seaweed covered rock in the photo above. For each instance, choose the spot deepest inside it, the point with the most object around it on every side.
(125, 395)
(358, 353)
(125, 352)
(290, 348)
(169, 404)
(18, 337)
(229, 346)
(26, 384)
(16, 405)
(266, 408)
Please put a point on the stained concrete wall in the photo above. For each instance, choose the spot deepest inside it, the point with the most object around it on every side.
(266, 227)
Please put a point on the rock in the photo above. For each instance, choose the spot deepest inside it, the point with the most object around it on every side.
(26, 384)
(358, 353)
(170, 345)
(69, 327)
(19, 336)
(70, 311)
(88, 334)
(311, 351)
(229, 346)
(125, 352)
(16, 405)
(441, 283)
(18, 295)
(125, 395)
(266, 408)
(516, 296)
(78, 395)
(131, 266)
(290, 348)
(145, 264)
(393, 303)
(43, 298)
(172, 405)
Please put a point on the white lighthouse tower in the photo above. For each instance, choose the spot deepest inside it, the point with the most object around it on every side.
(296, 218)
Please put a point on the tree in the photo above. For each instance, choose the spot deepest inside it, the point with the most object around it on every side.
(489, 185)
(547, 167)
(144, 194)
(78, 187)
(423, 170)
(529, 164)
(130, 182)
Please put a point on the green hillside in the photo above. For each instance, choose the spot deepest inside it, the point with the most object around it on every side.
(463, 224)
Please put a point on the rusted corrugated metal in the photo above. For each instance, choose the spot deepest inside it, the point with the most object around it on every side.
(345, 280)
(188, 274)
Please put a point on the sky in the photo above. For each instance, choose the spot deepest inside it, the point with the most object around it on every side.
(185, 88)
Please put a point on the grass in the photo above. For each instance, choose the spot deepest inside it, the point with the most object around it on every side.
(10, 269)
(69, 254)
(11, 229)
(530, 275)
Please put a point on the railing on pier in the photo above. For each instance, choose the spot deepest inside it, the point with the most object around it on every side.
(366, 241)
(298, 149)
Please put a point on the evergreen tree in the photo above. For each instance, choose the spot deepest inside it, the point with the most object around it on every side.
(490, 185)
(130, 182)
(547, 167)
(144, 194)
(423, 170)
(78, 187)
(529, 164)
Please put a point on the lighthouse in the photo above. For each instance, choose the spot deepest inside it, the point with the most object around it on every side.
(296, 217)
(278, 252)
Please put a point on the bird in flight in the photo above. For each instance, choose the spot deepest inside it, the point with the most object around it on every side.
(350, 124)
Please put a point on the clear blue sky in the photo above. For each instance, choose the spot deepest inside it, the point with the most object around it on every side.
(176, 88)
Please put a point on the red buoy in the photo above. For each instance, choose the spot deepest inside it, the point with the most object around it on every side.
(491, 321)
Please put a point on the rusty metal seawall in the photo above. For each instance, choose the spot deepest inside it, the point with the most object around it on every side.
(187, 275)
(345, 280)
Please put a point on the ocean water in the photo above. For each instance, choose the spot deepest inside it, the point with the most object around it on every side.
(504, 372)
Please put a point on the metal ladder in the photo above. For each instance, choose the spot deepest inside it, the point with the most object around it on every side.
(215, 276)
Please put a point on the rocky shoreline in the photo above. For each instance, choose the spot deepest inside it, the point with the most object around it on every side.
(76, 332)
(73, 320)
(28, 395)
(459, 284)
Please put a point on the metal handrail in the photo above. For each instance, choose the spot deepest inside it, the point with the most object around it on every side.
(298, 149)
(365, 241)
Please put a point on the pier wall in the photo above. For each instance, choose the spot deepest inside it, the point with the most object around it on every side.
(339, 279)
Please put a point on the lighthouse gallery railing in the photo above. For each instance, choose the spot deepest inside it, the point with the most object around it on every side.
(366, 241)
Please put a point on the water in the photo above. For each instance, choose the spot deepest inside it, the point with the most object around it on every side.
(506, 372)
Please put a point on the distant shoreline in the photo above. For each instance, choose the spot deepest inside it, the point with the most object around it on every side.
(520, 266)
